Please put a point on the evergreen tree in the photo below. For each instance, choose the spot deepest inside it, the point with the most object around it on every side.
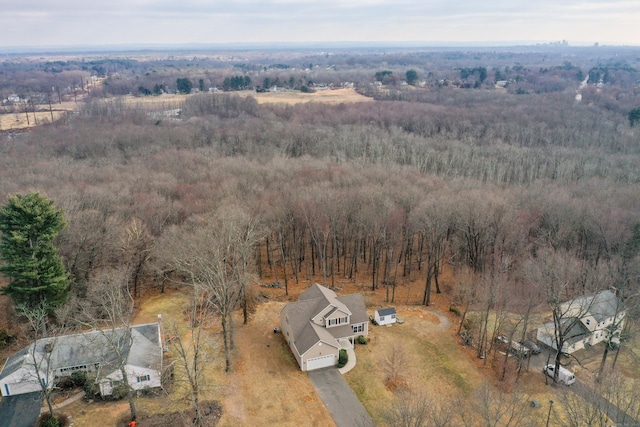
(634, 116)
(412, 77)
(29, 224)
(184, 85)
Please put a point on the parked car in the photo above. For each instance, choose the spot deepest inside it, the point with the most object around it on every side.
(565, 376)
(533, 347)
(519, 350)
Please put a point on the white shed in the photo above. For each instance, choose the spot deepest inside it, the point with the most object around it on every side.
(385, 316)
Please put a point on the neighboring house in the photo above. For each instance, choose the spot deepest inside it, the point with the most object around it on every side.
(586, 321)
(385, 316)
(320, 324)
(92, 352)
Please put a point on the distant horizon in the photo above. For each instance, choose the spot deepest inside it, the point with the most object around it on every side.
(314, 45)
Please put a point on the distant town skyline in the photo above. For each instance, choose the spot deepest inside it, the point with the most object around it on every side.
(162, 22)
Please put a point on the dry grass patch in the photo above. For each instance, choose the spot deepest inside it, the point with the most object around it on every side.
(336, 96)
(42, 115)
(266, 386)
(431, 361)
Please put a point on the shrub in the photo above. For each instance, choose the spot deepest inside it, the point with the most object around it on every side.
(455, 310)
(343, 358)
(56, 421)
(119, 392)
(64, 383)
(91, 389)
(362, 339)
(147, 391)
(79, 378)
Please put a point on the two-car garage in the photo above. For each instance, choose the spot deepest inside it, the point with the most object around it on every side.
(321, 362)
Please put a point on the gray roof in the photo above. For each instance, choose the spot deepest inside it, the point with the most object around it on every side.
(574, 330)
(604, 305)
(14, 362)
(386, 311)
(143, 349)
(315, 299)
(601, 306)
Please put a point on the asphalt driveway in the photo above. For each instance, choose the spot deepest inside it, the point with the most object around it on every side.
(340, 400)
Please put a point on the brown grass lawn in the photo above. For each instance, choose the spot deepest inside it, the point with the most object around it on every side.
(266, 386)
(18, 120)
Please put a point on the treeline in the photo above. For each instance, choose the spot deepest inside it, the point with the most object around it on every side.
(514, 140)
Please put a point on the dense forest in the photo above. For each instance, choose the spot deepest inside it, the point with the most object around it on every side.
(487, 165)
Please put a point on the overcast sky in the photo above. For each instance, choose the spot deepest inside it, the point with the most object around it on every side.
(104, 22)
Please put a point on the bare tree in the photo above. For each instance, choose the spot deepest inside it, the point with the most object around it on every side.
(215, 255)
(137, 246)
(494, 407)
(396, 365)
(39, 353)
(409, 409)
(191, 348)
(108, 308)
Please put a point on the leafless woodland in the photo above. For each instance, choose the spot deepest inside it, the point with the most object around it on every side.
(510, 189)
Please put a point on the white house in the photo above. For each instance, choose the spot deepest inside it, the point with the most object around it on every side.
(385, 316)
(586, 321)
(320, 324)
(40, 363)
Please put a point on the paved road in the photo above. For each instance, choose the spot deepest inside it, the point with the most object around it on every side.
(342, 403)
(21, 410)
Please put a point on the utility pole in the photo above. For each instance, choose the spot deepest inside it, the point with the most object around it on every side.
(549, 414)
(50, 109)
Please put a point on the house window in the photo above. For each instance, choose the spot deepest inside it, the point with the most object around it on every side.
(358, 328)
(588, 322)
(342, 320)
(70, 369)
(393, 316)
(333, 322)
(144, 378)
(381, 318)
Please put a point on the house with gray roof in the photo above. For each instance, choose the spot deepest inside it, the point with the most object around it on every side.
(98, 352)
(586, 321)
(322, 323)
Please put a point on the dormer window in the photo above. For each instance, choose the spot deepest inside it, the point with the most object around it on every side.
(338, 321)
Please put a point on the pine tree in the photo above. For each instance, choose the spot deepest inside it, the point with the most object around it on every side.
(29, 224)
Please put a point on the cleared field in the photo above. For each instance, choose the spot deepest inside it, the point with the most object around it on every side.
(336, 96)
(167, 101)
(18, 120)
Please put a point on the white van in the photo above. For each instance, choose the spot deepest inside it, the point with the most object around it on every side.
(565, 376)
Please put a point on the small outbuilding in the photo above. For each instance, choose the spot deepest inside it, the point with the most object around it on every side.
(385, 316)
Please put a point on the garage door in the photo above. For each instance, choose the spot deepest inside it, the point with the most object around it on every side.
(320, 362)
